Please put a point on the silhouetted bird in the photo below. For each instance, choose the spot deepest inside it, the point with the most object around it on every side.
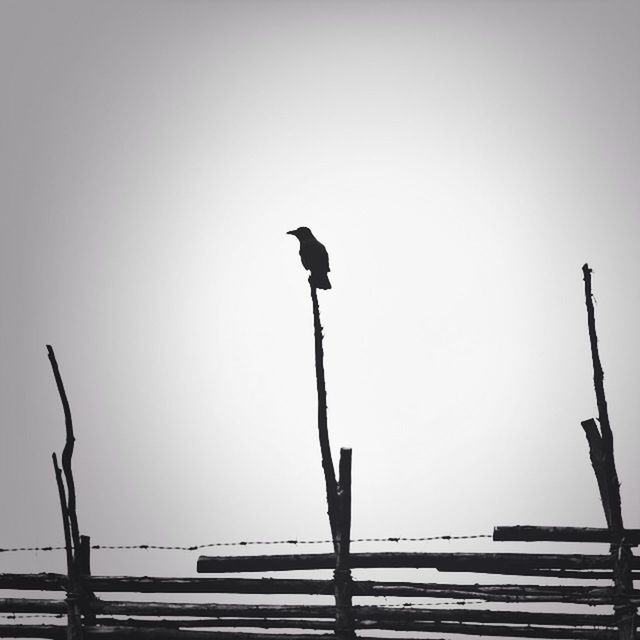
(314, 257)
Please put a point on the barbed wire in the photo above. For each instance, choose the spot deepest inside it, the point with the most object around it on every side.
(244, 543)
(428, 605)
(23, 616)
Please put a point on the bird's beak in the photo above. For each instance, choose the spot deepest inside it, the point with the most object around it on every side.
(291, 233)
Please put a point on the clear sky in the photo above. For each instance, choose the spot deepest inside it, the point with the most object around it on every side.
(459, 160)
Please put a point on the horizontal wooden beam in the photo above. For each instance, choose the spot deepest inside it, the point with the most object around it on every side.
(524, 631)
(530, 533)
(32, 605)
(492, 592)
(57, 632)
(511, 631)
(473, 562)
(34, 581)
(361, 613)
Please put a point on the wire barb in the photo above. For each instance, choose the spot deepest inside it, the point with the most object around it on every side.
(244, 543)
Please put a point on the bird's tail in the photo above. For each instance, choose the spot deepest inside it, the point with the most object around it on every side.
(320, 280)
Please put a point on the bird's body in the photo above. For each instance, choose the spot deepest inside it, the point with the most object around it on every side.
(314, 257)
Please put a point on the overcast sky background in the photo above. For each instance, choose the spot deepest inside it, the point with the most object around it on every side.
(460, 161)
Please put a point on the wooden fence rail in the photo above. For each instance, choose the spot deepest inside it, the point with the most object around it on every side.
(472, 562)
(292, 586)
(89, 617)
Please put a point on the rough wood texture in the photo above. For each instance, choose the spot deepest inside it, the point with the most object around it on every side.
(498, 593)
(67, 452)
(368, 625)
(83, 568)
(360, 613)
(600, 464)
(64, 511)
(323, 429)
(69, 515)
(603, 460)
(163, 633)
(529, 533)
(441, 561)
(342, 575)
(74, 618)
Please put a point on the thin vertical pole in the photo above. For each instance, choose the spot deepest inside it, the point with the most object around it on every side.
(603, 461)
(67, 452)
(344, 629)
(603, 412)
(323, 430)
(69, 515)
(83, 567)
(74, 619)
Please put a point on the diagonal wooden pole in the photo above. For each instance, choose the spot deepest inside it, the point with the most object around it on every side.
(323, 430)
(603, 462)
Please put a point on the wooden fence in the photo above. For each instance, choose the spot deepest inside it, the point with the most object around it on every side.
(90, 616)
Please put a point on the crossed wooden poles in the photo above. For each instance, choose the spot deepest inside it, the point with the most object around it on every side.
(81, 605)
(600, 441)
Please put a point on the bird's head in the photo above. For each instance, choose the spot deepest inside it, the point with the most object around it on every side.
(302, 233)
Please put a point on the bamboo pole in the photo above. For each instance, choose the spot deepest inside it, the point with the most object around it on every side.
(323, 430)
(603, 461)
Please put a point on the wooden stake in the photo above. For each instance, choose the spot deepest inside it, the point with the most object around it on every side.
(342, 575)
(603, 461)
(83, 572)
(74, 620)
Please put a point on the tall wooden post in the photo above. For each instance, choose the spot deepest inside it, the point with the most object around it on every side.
(342, 575)
(69, 513)
(602, 459)
(83, 568)
(338, 495)
(74, 619)
(323, 430)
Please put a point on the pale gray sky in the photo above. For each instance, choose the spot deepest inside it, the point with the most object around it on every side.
(460, 161)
